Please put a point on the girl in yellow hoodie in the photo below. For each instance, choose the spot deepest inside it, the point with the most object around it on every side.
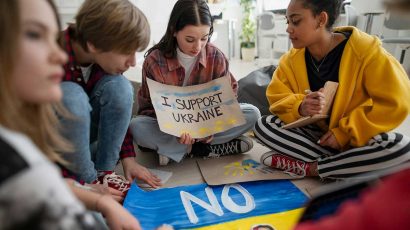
(373, 98)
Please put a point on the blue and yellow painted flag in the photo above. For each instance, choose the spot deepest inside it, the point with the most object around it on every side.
(272, 204)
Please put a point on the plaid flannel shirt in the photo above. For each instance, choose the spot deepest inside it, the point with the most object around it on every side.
(211, 64)
(73, 73)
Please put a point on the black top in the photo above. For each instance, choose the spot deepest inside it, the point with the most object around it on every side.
(32, 193)
(11, 162)
(327, 69)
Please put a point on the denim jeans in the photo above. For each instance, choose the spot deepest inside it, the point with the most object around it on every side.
(146, 133)
(100, 120)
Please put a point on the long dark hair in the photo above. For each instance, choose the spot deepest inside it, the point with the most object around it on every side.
(185, 12)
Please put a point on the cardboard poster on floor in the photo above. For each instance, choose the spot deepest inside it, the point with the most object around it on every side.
(272, 204)
(237, 168)
(200, 110)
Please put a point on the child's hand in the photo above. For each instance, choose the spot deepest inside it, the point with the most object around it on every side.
(104, 190)
(165, 227)
(116, 216)
(329, 140)
(206, 140)
(312, 103)
(186, 139)
(134, 170)
(97, 188)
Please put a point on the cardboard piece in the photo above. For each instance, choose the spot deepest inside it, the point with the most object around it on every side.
(237, 168)
(200, 110)
(329, 91)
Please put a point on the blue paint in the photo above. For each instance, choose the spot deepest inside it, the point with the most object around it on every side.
(250, 162)
(165, 206)
(200, 92)
(230, 102)
(159, 106)
(190, 94)
(164, 92)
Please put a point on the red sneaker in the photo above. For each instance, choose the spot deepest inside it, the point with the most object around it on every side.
(289, 165)
(115, 181)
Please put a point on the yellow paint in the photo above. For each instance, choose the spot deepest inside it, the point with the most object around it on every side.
(219, 122)
(236, 168)
(232, 121)
(218, 128)
(203, 131)
(168, 126)
(279, 221)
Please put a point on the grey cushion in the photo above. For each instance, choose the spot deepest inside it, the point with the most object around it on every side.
(252, 88)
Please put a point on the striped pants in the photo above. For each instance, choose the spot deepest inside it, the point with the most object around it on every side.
(381, 152)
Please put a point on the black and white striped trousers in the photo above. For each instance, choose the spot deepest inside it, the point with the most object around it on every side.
(382, 151)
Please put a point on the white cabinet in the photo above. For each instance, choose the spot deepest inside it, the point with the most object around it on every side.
(281, 43)
(223, 37)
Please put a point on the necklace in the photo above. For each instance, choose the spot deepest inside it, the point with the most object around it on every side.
(317, 67)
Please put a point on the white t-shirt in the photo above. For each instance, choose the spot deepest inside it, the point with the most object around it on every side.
(33, 194)
(86, 71)
(187, 62)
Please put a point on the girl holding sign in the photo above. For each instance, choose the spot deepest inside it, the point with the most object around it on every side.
(184, 57)
(371, 100)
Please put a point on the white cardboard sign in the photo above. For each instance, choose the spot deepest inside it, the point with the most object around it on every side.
(200, 110)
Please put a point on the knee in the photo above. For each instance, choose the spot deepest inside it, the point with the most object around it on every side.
(119, 92)
(75, 99)
(142, 124)
(134, 126)
(251, 112)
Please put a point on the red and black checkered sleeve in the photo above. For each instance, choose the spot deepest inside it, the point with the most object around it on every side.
(127, 148)
(66, 173)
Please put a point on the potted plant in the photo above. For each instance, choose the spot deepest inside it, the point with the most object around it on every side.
(248, 31)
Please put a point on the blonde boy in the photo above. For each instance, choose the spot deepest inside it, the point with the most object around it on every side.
(101, 45)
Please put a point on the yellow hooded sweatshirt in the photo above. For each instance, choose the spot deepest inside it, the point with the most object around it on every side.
(373, 94)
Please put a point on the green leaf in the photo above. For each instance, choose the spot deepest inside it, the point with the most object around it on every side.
(248, 34)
